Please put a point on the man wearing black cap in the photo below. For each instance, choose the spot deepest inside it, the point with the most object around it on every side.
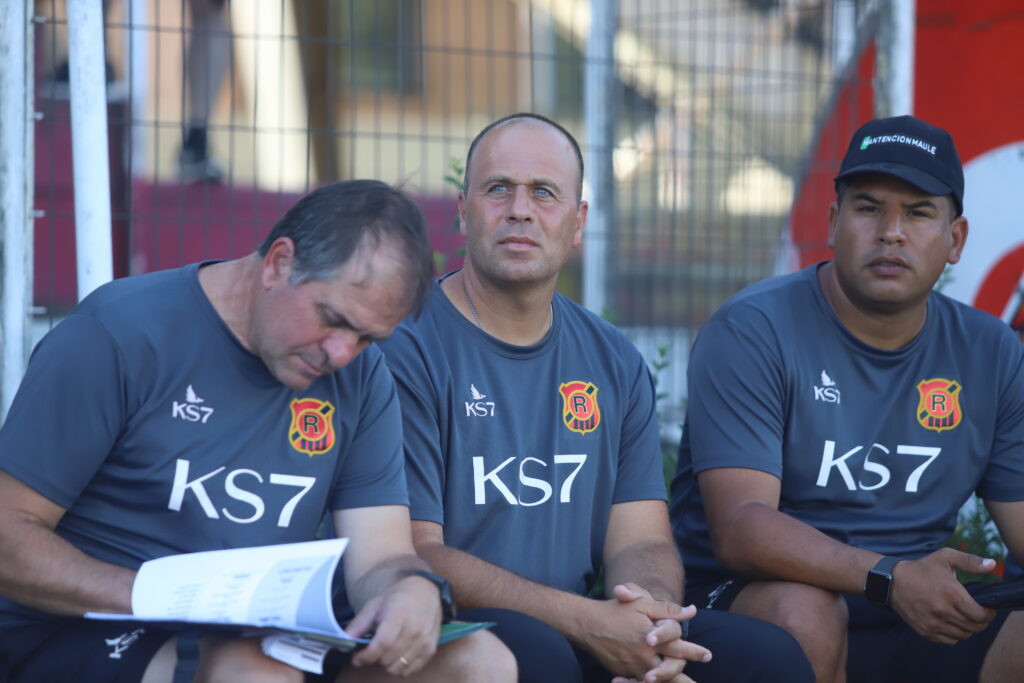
(840, 416)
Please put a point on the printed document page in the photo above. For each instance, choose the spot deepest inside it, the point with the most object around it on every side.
(281, 586)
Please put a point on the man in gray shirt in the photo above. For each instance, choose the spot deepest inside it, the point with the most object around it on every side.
(840, 416)
(224, 404)
(532, 446)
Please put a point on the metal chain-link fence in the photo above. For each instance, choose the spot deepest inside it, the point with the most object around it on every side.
(222, 113)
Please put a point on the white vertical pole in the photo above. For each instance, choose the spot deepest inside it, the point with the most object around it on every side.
(902, 86)
(844, 33)
(138, 78)
(598, 113)
(894, 81)
(16, 189)
(95, 260)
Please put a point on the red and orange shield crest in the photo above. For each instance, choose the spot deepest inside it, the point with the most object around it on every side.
(939, 407)
(312, 429)
(580, 411)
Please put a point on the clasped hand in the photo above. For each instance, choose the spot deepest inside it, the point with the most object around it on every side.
(407, 622)
(927, 595)
(638, 638)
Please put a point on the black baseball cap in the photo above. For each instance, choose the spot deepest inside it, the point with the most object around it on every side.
(910, 149)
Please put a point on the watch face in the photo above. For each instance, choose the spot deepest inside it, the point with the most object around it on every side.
(877, 587)
(447, 601)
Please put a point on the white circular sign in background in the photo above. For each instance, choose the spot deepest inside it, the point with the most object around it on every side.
(990, 274)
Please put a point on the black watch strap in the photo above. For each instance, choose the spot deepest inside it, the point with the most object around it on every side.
(444, 589)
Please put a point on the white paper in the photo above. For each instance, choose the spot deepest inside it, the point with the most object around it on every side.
(302, 653)
(281, 586)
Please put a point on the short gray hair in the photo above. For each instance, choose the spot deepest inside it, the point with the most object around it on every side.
(328, 225)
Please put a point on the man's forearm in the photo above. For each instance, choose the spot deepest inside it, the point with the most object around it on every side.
(478, 583)
(762, 542)
(382, 576)
(652, 565)
(40, 569)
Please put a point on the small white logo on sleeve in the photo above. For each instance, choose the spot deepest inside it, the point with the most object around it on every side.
(123, 642)
(191, 410)
(827, 391)
(477, 406)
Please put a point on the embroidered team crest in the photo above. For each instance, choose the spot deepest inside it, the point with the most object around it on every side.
(312, 430)
(580, 411)
(939, 407)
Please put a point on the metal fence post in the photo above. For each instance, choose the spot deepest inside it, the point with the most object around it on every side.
(599, 130)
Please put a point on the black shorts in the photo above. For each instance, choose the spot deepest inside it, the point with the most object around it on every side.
(882, 647)
(59, 651)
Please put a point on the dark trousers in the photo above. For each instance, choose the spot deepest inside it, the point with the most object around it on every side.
(744, 650)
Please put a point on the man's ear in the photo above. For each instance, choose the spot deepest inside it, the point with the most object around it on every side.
(959, 229)
(462, 212)
(581, 221)
(278, 263)
(833, 223)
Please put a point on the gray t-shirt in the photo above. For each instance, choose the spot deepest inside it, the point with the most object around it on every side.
(521, 451)
(145, 418)
(878, 449)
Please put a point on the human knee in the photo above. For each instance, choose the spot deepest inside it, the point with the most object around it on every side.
(746, 650)
(540, 651)
(816, 617)
(821, 612)
(224, 660)
(1005, 660)
(806, 611)
(480, 656)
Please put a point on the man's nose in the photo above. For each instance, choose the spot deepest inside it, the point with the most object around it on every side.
(890, 229)
(521, 207)
(341, 348)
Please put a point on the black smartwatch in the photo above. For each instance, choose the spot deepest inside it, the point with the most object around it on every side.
(445, 590)
(878, 586)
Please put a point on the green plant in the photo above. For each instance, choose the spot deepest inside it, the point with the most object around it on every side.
(669, 451)
(454, 176)
(975, 533)
(669, 458)
(659, 363)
